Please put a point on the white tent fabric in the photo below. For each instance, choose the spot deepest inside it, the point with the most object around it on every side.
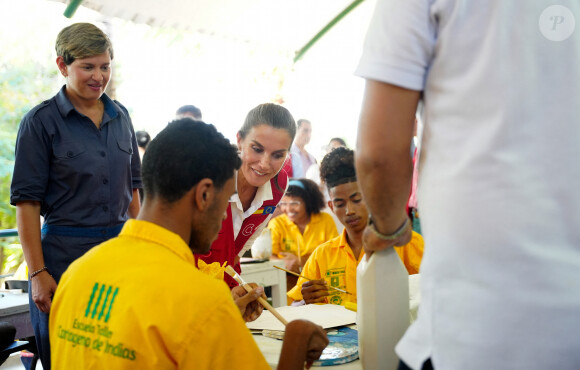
(238, 54)
(280, 24)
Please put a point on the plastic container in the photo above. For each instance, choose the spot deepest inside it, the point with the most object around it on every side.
(262, 247)
(382, 308)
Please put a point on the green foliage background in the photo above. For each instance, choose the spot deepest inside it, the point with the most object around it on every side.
(23, 84)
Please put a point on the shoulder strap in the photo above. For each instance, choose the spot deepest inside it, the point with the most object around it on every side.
(250, 224)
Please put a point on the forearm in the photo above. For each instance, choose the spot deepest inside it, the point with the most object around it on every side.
(43, 284)
(28, 221)
(295, 346)
(135, 204)
(385, 185)
(383, 163)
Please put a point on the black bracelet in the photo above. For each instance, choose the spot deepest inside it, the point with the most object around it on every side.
(38, 272)
(396, 235)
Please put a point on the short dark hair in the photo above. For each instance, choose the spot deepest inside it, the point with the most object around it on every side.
(143, 138)
(301, 121)
(309, 193)
(340, 140)
(184, 153)
(195, 111)
(337, 167)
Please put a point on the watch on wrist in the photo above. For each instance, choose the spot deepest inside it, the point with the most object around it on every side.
(389, 237)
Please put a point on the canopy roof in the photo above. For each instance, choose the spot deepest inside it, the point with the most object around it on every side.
(282, 24)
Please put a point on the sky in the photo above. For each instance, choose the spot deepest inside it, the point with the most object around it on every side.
(156, 71)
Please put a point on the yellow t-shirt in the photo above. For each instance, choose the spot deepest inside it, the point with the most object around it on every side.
(412, 253)
(285, 234)
(138, 302)
(335, 262)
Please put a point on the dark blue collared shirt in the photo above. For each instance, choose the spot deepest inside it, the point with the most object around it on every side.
(82, 176)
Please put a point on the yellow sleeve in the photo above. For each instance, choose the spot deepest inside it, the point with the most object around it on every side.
(310, 269)
(412, 253)
(222, 340)
(276, 232)
(330, 227)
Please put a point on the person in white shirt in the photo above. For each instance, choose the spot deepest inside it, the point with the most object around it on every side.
(499, 178)
(301, 159)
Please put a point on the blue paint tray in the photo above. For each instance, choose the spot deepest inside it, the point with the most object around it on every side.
(342, 347)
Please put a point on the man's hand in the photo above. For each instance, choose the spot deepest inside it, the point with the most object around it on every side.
(291, 261)
(250, 308)
(43, 287)
(303, 344)
(372, 243)
(314, 291)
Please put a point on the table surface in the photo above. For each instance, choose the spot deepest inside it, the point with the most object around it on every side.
(14, 309)
(271, 347)
(13, 303)
(267, 265)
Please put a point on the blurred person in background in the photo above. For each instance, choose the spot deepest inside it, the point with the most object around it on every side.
(143, 139)
(301, 158)
(334, 143)
(189, 111)
(302, 227)
(313, 174)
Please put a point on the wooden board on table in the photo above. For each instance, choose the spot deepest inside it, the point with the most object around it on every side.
(326, 315)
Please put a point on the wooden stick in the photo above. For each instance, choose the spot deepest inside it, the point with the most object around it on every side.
(233, 273)
(299, 258)
(307, 278)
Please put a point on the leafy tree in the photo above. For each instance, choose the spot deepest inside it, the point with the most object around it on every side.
(22, 86)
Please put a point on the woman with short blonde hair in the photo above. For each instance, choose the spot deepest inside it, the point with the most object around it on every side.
(77, 165)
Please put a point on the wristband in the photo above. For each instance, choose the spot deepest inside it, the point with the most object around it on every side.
(390, 237)
(38, 272)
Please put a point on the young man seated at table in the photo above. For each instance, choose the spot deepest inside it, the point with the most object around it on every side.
(334, 263)
(138, 301)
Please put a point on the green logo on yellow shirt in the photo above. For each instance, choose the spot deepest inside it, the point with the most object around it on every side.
(335, 299)
(97, 336)
(288, 244)
(337, 278)
(106, 305)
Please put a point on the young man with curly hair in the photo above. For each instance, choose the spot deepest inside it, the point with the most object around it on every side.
(334, 263)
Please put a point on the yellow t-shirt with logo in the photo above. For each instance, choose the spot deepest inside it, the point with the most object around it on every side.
(286, 235)
(138, 302)
(334, 262)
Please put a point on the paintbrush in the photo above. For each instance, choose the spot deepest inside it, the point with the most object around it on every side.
(233, 273)
(299, 259)
(307, 278)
